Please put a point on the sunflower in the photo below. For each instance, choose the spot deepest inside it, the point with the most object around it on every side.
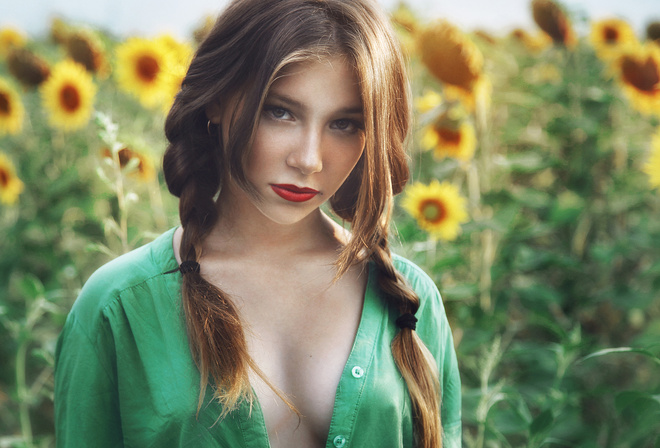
(10, 38)
(639, 76)
(652, 166)
(480, 93)
(180, 55)
(533, 43)
(438, 208)
(653, 32)
(11, 109)
(449, 55)
(142, 67)
(204, 28)
(68, 96)
(59, 31)
(173, 83)
(450, 138)
(144, 166)
(610, 37)
(553, 21)
(87, 50)
(10, 185)
(27, 67)
(429, 100)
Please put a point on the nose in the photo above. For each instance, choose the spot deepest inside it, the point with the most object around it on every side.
(306, 155)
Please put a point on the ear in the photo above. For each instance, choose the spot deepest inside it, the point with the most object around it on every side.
(214, 112)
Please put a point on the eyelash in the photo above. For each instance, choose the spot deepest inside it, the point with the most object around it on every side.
(356, 125)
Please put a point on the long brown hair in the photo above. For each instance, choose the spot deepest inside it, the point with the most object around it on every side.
(251, 42)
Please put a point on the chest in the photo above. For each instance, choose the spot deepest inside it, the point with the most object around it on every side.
(300, 327)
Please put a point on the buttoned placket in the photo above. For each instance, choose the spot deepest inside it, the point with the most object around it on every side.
(352, 383)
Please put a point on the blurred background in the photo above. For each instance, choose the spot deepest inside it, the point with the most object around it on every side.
(147, 17)
(534, 201)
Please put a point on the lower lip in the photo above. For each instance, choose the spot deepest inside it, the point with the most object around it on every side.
(294, 195)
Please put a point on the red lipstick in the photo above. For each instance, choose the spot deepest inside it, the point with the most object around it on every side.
(294, 193)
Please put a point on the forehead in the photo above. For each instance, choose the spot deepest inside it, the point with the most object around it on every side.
(329, 79)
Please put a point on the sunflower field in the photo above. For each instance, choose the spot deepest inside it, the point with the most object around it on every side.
(534, 204)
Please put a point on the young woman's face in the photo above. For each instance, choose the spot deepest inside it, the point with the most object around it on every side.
(309, 137)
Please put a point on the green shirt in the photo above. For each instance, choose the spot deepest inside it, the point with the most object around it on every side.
(125, 376)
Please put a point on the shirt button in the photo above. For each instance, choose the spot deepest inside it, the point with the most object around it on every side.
(357, 372)
(339, 441)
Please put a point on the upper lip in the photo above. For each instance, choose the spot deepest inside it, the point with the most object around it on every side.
(295, 188)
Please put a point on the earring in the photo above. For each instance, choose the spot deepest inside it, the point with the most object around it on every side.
(208, 127)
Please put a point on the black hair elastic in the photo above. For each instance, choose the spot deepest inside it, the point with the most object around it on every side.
(189, 266)
(407, 320)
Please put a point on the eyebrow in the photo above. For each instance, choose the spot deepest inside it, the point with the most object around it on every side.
(288, 101)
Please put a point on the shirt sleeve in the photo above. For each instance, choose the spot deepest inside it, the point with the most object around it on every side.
(86, 400)
(433, 327)
(451, 391)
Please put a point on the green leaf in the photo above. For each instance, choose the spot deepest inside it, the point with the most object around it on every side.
(526, 162)
(608, 351)
(542, 422)
(30, 287)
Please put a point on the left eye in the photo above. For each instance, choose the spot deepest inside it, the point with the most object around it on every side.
(346, 125)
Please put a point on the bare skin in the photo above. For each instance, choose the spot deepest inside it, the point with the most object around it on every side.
(275, 257)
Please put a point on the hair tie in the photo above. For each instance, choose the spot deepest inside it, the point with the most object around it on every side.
(189, 266)
(407, 320)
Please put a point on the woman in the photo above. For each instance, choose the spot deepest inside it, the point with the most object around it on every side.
(261, 321)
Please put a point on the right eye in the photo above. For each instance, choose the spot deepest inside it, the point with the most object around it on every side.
(277, 112)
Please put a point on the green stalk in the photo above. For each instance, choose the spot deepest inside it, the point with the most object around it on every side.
(21, 386)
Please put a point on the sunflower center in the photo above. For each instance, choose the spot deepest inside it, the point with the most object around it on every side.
(449, 135)
(5, 105)
(433, 210)
(70, 98)
(611, 35)
(4, 178)
(644, 76)
(147, 68)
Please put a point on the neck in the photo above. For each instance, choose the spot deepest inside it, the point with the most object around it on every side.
(246, 230)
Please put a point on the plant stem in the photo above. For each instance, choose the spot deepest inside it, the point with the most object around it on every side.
(23, 405)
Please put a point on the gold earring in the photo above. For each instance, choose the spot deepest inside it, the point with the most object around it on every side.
(208, 127)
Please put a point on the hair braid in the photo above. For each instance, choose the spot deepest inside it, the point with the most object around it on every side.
(415, 362)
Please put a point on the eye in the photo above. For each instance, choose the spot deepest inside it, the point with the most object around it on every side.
(277, 112)
(347, 125)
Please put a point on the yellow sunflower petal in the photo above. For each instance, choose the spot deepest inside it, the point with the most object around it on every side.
(610, 37)
(652, 166)
(68, 96)
(639, 77)
(429, 100)
(450, 139)
(142, 69)
(180, 56)
(450, 55)
(438, 208)
(10, 38)
(11, 109)
(142, 164)
(10, 185)
(533, 43)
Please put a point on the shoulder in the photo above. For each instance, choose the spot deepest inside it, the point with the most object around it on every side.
(126, 271)
(417, 279)
(432, 325)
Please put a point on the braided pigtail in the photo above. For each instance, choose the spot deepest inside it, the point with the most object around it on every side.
(215, 333)
(192, 166)
(365, 201)
(415, 362)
